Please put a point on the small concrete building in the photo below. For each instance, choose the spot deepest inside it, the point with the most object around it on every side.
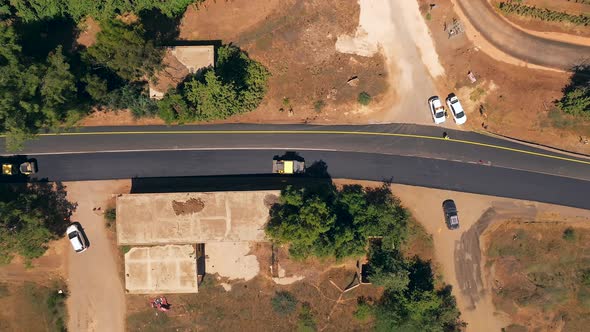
(179, 234)
(178, 62)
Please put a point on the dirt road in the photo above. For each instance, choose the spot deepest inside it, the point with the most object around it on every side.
(97, 298)
(519, 44)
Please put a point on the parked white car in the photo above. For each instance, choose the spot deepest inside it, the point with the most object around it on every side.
(456, 109)
(77, 238)
(437, 110)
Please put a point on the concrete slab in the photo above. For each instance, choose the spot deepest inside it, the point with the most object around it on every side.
(231, 260)
(190, 218)
(195, 57)
(161, 269)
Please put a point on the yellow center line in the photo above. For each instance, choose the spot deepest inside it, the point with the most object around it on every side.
(317, 132)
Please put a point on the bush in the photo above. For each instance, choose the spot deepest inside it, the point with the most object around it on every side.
(569, 234)
(284, 303)
(318, 106)
(576, 95)
(110, 215)
(363, 310)
(306, 321)
(364, 98)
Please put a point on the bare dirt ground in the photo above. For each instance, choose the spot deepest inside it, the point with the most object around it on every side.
(97, 298)
(558, 29)
(538, 270)
(244, 305)
(517, 100)
(321, 54)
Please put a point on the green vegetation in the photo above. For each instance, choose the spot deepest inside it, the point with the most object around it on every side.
(569, 234)
(325, 222)
(319, 105)
(364, 98)
(306, 322)
(476, 94)
(363, 309)
(543, 14)
(48, 303)
(110, 216)
(30, 217)
(410, 301)
(48, 82)
(121, 48)
(284, 303)
(236, 85)
(35, 10)
(576, 96)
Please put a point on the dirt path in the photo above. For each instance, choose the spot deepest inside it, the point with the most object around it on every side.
(97, 300)
(459, 252)
(399, 31)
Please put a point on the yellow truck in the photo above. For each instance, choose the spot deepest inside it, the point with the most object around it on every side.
(287, 166)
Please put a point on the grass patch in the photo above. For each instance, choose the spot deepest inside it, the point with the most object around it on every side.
(318, 106)
(110, 216)
(48, 304)
(428, 16)
(569, 234)
(363, 310)
(284, 303)
(150, 320)
(306, 322)
(364, 98)
(125, 249)
(476, 94)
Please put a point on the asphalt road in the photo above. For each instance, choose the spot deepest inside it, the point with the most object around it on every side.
(519, 44)
(408, 154)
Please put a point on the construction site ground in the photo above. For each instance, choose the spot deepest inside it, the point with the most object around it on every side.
(517, 100)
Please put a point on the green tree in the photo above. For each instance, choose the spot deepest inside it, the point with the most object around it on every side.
(30, 217)
(212, 99)
(576, 95)
(301, 220)
(173, 108)
(59, 84)
(122, 48)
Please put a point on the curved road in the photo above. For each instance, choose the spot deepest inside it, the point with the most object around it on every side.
(519, 44)
(408, 154)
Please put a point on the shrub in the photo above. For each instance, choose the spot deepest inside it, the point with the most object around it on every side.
(569, 234)
(364, 98)
(306, 321)
(363, 310)
(284, 303)
(110, 215)
(319, 105)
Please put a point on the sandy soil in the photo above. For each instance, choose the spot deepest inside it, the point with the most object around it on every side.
(97, 300)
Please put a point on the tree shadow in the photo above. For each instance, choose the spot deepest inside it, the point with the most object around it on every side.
(38, 38)
(421, 277)
(161, 29)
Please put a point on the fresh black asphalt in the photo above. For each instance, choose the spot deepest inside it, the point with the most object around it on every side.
(176, 159)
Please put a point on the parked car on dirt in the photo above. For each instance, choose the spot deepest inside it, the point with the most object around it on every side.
(437, 110)
(451, 216)
(77, 238)
(456, 109)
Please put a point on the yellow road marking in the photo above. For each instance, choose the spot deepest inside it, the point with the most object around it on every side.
(317, 132)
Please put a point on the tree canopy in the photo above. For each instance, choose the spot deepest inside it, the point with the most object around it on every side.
(326, 222)
(34, 10)
(410, 301)
(30, 217)
(576, 96)
(237, 84)
(122, 48)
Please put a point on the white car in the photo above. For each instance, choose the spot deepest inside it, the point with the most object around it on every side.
(77, 238)
(456, 109)
(437, 110)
